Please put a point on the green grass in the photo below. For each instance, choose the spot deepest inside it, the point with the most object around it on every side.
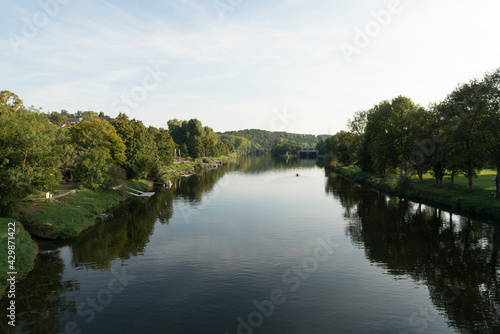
(457, 197)
(25, 252)
(69, 215)
(56, 220)
(174, 171)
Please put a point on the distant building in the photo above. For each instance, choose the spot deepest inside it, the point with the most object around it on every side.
(72, 120)
(308, 153)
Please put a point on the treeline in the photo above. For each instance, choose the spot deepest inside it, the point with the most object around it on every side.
(268, 142)
(38, 150)
(458, 136)
(196, 141)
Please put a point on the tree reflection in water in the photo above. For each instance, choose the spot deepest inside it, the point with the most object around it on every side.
(45, 300)
(455, 256)
(40, 307)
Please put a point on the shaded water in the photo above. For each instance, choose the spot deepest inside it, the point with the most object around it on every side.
(250, 247)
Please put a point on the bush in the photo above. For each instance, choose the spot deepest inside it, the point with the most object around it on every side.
(116, 176)
(92, 168)
(403, 185)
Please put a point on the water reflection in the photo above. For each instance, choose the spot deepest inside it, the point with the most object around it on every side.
(42, 299)
(267, 164)
(456, 257)
(45, 298)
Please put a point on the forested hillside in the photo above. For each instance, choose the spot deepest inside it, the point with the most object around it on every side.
(263, 141)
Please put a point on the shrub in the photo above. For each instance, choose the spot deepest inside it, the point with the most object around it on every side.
(116, 176)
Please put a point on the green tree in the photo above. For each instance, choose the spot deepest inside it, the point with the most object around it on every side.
(141, 150)
(97, 133)
(97, 146)
(240, 145)
(433, 150)
(57, 118)
(210, 141)
(92, 167)
(464, 111)
(282, 146)
(387, 133)
(379, 133)
(357, 125)
(196, 148)
(178, 130)
(89, 115)
(29, 156)
(491, 125)
(165, 145)
(421, 140)
(11, 101)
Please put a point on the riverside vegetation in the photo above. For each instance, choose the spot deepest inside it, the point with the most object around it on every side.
(99, 154)
(433, 154)
(448, 153)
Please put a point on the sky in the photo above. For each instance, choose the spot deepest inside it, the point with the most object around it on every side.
(301, 66)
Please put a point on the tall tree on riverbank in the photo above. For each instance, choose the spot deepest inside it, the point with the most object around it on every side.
(141, 150)
(491, 83)
(357, 126)
(29, 154)
(342, 147)
(464, 111)
(97, 147)
(165, 145)
(188, 134)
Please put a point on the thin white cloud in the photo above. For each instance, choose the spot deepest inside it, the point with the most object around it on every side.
(262, 55)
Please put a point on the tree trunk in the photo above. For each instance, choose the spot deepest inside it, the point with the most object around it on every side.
(452, 179)
(470, 183)
(497, 181)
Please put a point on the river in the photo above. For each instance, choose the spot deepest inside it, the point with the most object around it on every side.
(252, 248)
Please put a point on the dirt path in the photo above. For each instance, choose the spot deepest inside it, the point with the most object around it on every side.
(57, 196)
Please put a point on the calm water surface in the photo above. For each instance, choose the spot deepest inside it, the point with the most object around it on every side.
(251, 248)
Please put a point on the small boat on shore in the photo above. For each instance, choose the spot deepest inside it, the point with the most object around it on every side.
(166, 183)
(138, 193)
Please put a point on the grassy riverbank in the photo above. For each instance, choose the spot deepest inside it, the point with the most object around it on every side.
(66, 217)
(174, 171)
(25, 251)
(457, 197)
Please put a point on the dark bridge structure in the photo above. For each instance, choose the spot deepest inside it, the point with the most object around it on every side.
(308, 153)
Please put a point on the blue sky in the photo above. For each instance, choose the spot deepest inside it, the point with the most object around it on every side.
(301, 66)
